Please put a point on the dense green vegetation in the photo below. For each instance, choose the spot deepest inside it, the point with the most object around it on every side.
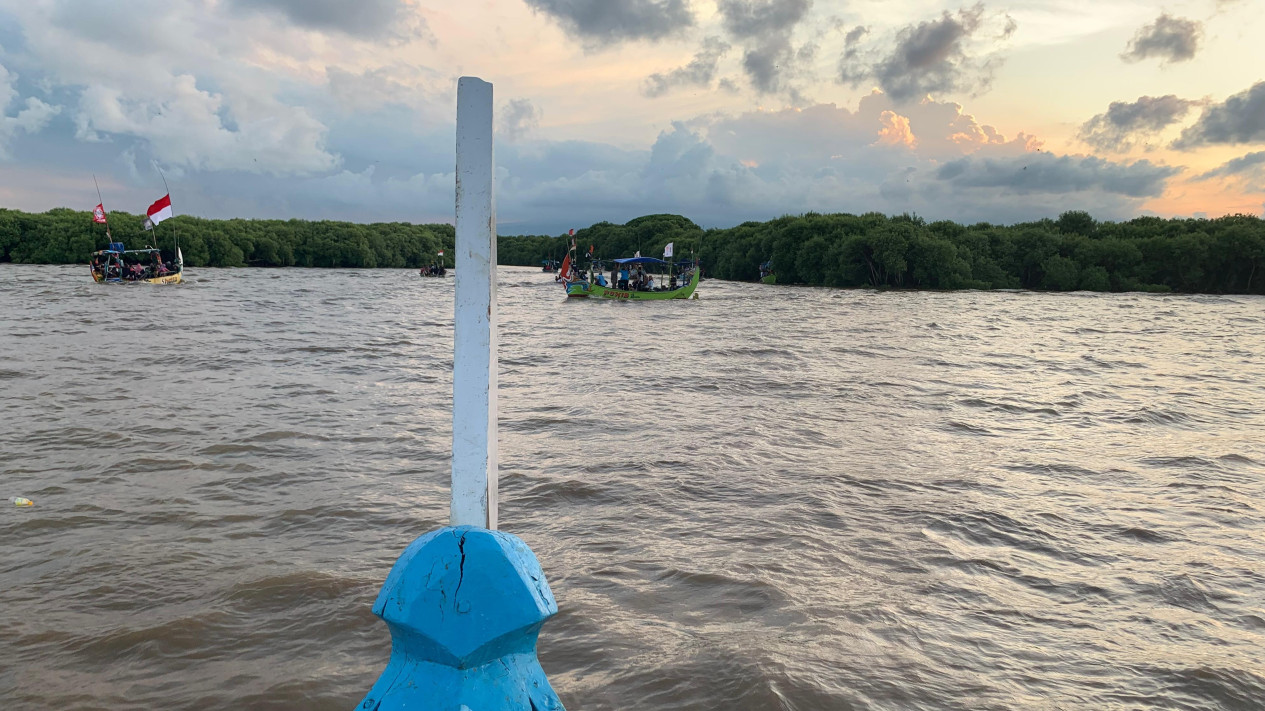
(1223, 255)
(65, 236)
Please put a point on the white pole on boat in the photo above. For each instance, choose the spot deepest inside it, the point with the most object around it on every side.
(465, 603)
(474, 500)
(175, 242)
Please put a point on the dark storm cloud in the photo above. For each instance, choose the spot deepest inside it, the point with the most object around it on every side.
(930, 56)
(764, 28)
(1172, 39)
(1250, 164)
(1044, 173)
(759, 18)
(1124, 122)
(1241, 119)
(699, 72)
(364, 18)
(765, 63)
(617, 20)
(517, 118)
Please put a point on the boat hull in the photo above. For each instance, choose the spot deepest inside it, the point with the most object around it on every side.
(769, 279)
(583, 290)
(165, 279)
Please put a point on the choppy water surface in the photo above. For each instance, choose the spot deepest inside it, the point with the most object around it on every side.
(768, 498)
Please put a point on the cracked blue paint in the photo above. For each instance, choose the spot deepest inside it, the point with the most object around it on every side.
(483, 657)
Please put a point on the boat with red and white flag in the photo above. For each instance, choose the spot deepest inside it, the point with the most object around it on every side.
(435, 269)
(117, 264)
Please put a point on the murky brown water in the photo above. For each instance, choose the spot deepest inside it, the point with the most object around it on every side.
(769, 498)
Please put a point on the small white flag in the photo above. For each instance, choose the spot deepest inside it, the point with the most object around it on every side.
(667, 251)
(638, 254)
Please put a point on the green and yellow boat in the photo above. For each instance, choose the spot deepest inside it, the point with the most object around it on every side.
(596, 287)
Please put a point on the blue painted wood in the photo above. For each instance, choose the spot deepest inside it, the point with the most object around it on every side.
(464, 606)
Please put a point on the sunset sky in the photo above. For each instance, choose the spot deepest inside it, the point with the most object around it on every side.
(720, 110)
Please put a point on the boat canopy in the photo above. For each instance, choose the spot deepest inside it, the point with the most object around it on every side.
(638, 260)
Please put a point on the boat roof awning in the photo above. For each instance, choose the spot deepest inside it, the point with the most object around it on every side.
(639, 260)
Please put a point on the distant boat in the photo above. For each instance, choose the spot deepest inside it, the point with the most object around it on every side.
(434, 270)
(551, 265)
(766, 273)
(579, 286)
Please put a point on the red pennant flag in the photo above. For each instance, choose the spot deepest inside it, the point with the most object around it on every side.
(98, 214)
(566, 266)
(571, 232)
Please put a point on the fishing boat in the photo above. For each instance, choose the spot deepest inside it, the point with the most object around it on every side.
(550, 265)
(118, 265)
(631, 289)
(766, 273)
(436, 268)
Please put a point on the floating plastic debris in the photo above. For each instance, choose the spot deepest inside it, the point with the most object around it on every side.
(21, 501)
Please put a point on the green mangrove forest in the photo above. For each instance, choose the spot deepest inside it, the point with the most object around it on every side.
(1225, 255)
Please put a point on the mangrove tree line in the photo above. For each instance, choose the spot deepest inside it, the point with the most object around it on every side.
(1075, 251)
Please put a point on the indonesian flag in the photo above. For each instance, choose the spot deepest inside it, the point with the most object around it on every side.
(667, 250)
(160, 210)
(98, 214)
(441, 252)
(571, 232)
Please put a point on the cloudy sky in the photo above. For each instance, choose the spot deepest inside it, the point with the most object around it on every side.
(720, 110)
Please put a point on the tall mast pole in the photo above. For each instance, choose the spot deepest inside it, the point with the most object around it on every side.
(167, 190)
(101, 200)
